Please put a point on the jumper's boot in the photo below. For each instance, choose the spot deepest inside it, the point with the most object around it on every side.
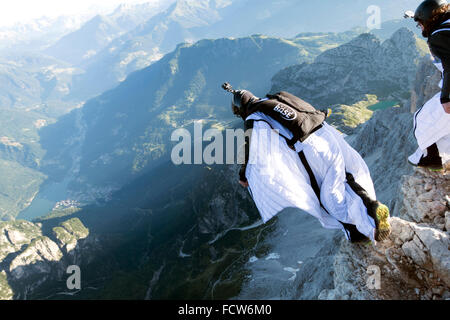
(356, 236)
(432, 161)
(380, 213)
(375, 209)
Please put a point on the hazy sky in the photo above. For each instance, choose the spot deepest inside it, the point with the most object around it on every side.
(12, 11)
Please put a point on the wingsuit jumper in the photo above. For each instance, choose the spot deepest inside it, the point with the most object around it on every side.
(432, 121)
(312, 168)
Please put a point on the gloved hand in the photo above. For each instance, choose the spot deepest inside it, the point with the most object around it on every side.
(446, 107)
(244, 184)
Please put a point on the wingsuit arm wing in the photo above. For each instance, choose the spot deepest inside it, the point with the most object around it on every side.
(440, 47)
(333, 186)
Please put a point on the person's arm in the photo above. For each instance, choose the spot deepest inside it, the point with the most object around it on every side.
(440, 47)
(242, 178)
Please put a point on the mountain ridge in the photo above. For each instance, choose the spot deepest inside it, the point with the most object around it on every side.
(365, 65)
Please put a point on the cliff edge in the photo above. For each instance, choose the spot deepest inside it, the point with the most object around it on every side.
(415, 262)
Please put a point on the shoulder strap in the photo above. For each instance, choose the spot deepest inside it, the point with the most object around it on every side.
(280, 134)
(439, 30)
(312, 178)
(444, 27)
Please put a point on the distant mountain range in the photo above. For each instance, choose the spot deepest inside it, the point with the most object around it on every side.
(192, 20)
(98, 32)
(362, 66)
(105, 49)
(40, 33)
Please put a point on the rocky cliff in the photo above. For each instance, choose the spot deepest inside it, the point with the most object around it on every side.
(415, 262)
(425, 84)
(29, 257)
(362, 66)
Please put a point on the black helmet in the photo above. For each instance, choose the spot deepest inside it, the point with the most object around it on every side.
(241, 99)
(425, 10)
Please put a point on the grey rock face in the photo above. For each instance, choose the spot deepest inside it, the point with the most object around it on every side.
(409, 268)
(424, 198)
(385, 142)
(38, 255)
(426, 83)
(387, 139)
(415, 262)
(349, 72)
(29, 259)
(69, 233)
(299, 264)
(228, 204)
(14, 235)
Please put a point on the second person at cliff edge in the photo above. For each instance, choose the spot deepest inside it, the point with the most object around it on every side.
(432, 121)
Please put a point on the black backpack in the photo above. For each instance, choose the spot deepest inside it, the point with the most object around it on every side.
(298, 116)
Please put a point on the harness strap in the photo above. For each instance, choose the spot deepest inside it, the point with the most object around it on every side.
(316, 188)
(312, 178)
(295, 138)
(446, 28)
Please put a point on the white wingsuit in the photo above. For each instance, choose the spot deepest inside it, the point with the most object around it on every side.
(432, 125)
(278, 180)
